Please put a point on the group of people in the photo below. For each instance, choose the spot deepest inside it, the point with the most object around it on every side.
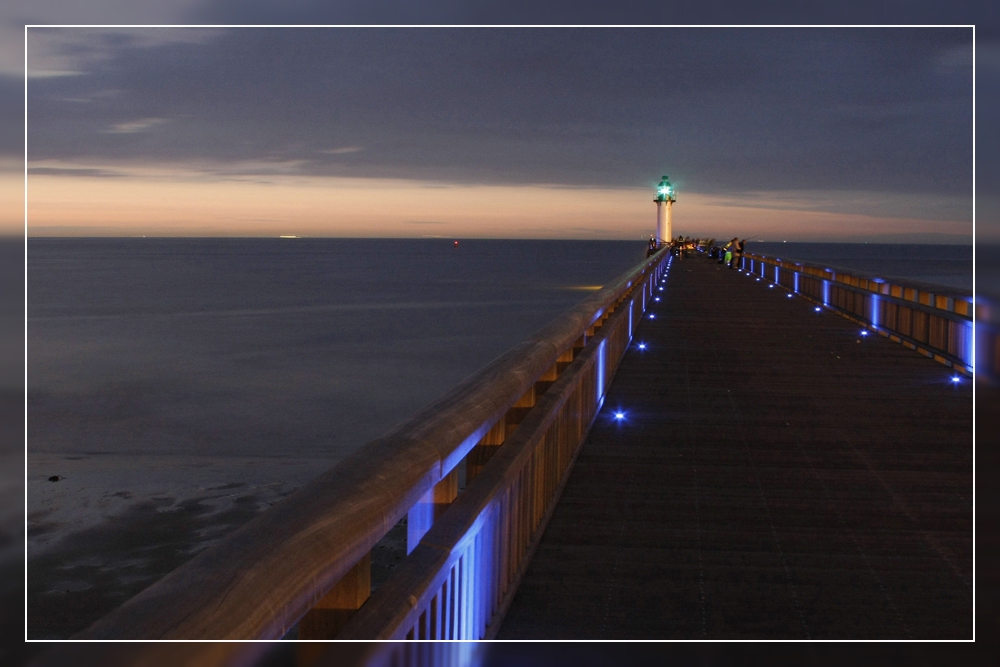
(728, 254)
(679, 247)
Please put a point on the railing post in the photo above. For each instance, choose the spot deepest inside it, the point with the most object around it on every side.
(335, 609)
(480, 455)
(421, 516)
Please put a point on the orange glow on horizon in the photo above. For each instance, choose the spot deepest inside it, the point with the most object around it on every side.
(357, 207)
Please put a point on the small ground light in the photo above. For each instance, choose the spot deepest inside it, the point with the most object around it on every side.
(956, 379)
(818, 309)
(864, 333)
(789, 296)
(771, 285)
(619, 415)
(652, 316)
(642, 346)
(758, 280)
(656, 298)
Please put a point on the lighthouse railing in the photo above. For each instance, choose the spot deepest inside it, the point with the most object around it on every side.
(513, 428)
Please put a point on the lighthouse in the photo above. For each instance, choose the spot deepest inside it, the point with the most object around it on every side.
(665, 197)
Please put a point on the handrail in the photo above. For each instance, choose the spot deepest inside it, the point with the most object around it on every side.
(264, 577)
(935, 320)
(459, 581)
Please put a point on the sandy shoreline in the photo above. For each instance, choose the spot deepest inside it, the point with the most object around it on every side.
(110, 526)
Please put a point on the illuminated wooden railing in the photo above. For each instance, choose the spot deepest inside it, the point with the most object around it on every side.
(988, 339)
(460, 579)
(932, 319)
(515, 427)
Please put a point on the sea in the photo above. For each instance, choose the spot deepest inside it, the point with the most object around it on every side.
(178, 387)
(949, 265)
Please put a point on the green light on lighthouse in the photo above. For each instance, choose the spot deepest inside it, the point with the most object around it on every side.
(665, 191)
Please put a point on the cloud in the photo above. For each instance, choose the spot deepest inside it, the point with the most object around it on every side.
(88, 172)
(342, 151)
(131, 127)
(746, 110)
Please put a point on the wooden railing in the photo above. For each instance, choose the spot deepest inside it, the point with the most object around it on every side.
(515, 427)
(460, 579)
(934, 320)
(988, 339)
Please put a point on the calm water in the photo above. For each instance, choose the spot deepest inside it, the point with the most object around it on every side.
(178, 387)
(940, 264)
(259, 346)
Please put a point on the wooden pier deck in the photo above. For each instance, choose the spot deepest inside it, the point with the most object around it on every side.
(776, 475)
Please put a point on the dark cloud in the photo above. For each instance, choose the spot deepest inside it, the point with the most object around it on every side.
(11, 115)
(723, 109)
(583, 12)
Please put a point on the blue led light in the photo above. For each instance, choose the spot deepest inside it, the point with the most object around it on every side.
(758, 280)
(656, 298)
(864, 333)
(660, 288)
(771, 285)
(956, 379)
(619, 415)
(818, 309)
(789, 296)
(652, 316)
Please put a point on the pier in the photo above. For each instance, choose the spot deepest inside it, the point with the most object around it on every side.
(775, 474)
(781, 452)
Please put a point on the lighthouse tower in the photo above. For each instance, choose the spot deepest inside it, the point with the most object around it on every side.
(665, 197)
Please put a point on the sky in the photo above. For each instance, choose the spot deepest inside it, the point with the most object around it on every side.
(809, 134)
(804, 134)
